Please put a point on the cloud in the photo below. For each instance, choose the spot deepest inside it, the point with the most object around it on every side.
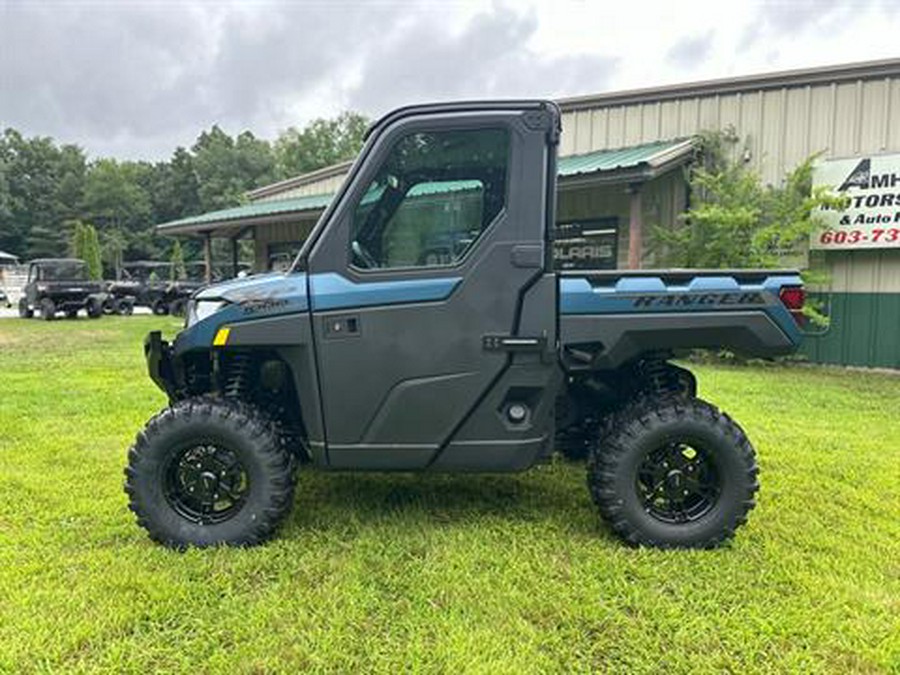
(691, 51)
(780, 18)
(488, 58)
(137, 79)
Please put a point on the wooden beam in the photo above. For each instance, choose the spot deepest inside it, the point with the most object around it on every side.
(635, 227)
(207, 256)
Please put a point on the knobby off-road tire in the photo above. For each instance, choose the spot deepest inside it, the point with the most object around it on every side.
(123, 307)
(662, 450)
(177, 307)
(159, 489)
(48, 309)
(94, 309)
(159, 307)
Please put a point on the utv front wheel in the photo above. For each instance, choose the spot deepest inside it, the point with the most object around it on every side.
(48, 309)
(207, 472)
(24, 311)
(674, 473)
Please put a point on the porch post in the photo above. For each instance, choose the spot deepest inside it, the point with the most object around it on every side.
(234, 257)
(635, 227)
(207, 256)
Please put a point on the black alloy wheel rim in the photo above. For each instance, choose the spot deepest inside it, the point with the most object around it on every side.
(678, 482)
(206, 483)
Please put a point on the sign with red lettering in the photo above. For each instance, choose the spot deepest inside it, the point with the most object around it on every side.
(872, 217)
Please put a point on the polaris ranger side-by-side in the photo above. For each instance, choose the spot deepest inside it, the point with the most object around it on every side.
(369, 355)
(60, 285)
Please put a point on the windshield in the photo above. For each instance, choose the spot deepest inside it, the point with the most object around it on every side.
(145, 273)
(64, 271)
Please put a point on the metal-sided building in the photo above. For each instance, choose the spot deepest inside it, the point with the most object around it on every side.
(621, 172)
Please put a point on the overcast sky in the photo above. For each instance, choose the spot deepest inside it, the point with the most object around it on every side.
(136, 79)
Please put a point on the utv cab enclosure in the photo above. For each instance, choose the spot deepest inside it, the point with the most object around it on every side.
(374, 352)
(60, 285)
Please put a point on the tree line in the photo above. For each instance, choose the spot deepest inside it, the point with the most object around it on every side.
(52, 193)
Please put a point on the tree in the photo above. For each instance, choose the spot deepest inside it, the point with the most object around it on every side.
(92, 253)
(736, 221)
(79, 240)
(40, 188)
(321, 143)
(178, 269)
(226, 168)
(114, 198)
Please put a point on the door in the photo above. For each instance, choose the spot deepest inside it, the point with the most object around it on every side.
(434, 313)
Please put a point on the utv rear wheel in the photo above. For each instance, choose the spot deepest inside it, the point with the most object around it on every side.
(176, 307)
(160, 308)
(674, 473)
(48, 309)
(209, 471)
(24, 312)
(94, 309)
(123, 307)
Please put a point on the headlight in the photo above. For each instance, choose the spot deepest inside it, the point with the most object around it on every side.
(200, 309)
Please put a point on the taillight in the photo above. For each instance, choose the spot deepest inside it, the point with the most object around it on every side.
(793, 297)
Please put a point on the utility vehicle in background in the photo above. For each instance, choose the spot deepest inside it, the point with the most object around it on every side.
(60, 285)
(381, 350)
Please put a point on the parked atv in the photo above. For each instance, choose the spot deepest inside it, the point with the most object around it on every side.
(60, 285)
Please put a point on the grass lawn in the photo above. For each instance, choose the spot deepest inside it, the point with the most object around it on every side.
(440, 573)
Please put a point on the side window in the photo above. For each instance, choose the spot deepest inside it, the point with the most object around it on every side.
(433, 197)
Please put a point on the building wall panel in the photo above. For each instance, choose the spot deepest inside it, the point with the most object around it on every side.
(600, 128)
(862, 332)
(845, 140)
(875, 96)
(669, 120)
(821, 119)
(583, 132)
(616, 137)
(708, 113)
(795, 138)
(650, 116)
(893, 117)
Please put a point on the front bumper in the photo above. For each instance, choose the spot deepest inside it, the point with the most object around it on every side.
(160, 366)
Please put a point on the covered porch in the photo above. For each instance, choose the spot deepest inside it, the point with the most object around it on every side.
(606, 201)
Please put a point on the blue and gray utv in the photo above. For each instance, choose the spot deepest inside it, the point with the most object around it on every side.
(382, 350)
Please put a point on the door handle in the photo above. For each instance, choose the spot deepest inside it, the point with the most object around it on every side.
(341, 326)
(511, 343)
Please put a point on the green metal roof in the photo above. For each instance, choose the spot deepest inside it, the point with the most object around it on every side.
(650, 154)
(644, 157)
(255, 210)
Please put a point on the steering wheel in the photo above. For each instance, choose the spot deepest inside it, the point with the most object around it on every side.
(363, 256)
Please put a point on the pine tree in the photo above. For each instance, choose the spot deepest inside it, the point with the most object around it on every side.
(78, 240)
(178, 268)
(92, 253)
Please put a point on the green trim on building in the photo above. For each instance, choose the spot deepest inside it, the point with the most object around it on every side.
(255, 210)
(864, 331)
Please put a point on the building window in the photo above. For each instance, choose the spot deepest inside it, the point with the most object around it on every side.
(433, 197)
(586, 244)
(281, 255)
